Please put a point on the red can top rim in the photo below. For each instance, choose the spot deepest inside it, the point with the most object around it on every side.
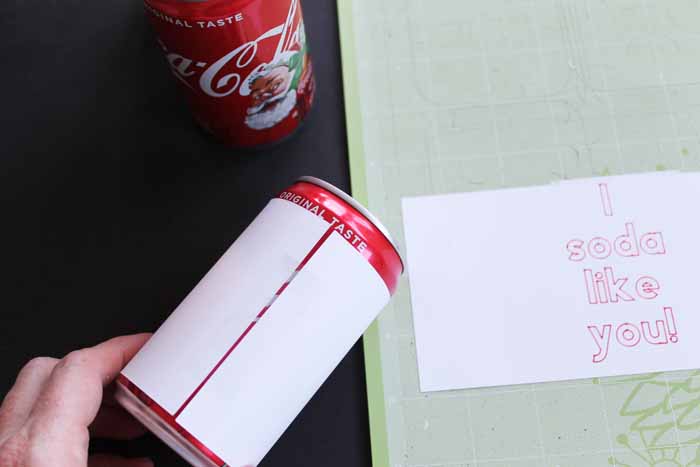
(198, 7)
(353, 222)
(358, 207)
(227, 2)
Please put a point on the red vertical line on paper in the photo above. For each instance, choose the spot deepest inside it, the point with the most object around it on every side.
(671, 323)
(258, 317)
(605, 199)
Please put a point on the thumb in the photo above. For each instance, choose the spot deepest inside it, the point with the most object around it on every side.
(72, 396)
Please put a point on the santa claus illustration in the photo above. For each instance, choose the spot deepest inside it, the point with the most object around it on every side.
(273, 90)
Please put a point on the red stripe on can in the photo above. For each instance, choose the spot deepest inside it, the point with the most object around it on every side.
(250, 327)
(169, 419)
(352, 225)
(281, 289)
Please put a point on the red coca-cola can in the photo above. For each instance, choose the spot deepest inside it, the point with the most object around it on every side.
(234, 364)
(243, 65)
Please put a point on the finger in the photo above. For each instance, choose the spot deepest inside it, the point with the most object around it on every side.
(73, 393)
(104, 460)
(19, 401)
(59, 421)
(115, 423)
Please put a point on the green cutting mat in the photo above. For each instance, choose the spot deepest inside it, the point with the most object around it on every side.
(462, 95)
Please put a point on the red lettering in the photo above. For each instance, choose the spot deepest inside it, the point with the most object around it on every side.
(599, 248)
(625, 245)
(653, 243)
(575, 249)
(605, 287)
(629, 335)
(602, 341)
(616, 287)
(647, 287)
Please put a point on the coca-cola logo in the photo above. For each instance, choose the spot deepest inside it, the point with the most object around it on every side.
(223, 77)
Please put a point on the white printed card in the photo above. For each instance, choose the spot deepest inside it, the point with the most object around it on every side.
(580, 279)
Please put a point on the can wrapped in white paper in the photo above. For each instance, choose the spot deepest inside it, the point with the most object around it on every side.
(234, 364)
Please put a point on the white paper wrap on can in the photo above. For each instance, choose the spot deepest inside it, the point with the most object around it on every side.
(234, 387)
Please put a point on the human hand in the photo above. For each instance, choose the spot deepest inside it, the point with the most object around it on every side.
(48, 416)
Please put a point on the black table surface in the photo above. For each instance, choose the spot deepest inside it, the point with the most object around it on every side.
(114, 204)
